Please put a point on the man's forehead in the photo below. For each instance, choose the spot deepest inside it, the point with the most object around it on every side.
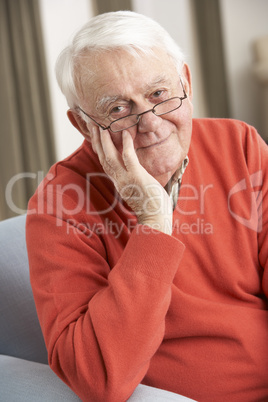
(161, 79)
(108, 77)
(115, 94)
(143, 86)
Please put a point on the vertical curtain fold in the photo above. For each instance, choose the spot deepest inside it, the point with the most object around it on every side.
(209, 35)
(26, 137)
(104, 6)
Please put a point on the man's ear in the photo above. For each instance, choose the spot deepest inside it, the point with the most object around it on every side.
(187, 80)
(78, 123)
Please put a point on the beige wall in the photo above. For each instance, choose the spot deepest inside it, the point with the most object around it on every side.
(244, 21)
(60, 18)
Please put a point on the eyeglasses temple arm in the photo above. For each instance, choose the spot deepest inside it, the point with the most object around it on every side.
(103, 127)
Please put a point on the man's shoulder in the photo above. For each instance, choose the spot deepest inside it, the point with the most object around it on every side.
(228, 142)
(74, 168)
(224, 132)
(221, 124)
(72, 174)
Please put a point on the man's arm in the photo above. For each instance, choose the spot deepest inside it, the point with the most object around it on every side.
(102, 327)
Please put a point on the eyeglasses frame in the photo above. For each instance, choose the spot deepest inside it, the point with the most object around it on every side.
(139, 114)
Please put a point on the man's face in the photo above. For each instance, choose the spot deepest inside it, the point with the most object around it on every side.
(123, 85)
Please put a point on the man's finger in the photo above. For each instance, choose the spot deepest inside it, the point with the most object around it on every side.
(112, 156)
(97, 145)
(129, 155)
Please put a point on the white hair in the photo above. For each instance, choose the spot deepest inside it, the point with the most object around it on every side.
(127, 30)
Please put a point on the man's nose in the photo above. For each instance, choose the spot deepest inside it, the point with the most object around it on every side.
(148, 122)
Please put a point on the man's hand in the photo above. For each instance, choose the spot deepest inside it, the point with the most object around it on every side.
(141, 191)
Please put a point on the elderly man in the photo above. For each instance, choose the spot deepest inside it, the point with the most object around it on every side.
(146, 268)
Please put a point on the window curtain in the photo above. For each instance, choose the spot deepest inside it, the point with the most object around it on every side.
(26, 137)
(209, 34)
(104, 6)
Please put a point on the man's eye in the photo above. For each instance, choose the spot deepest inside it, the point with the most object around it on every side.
(159, 96)
(118, 111)
(158, 93)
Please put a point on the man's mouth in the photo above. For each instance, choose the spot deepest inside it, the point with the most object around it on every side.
(155, 144)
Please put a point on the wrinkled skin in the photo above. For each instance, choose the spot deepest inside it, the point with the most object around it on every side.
(142, 159)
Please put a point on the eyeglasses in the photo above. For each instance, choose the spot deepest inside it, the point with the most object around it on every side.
(132, 120)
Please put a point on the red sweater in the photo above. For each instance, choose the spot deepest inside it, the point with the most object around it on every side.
(121, 304)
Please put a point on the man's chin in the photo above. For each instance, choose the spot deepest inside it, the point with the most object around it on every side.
(162, 174)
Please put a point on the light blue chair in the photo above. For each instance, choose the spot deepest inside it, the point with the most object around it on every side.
(24, 373)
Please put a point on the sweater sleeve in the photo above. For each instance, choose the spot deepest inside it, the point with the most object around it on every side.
(101, 326)
(257, 160)
(262, 205)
